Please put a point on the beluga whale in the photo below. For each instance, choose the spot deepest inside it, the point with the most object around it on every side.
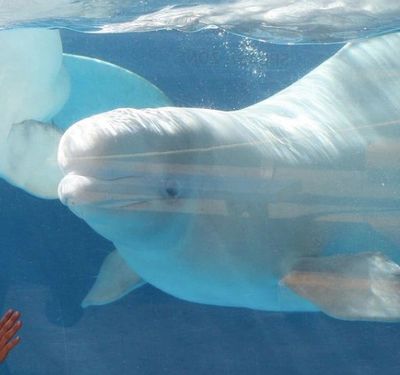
(237, 208)
(43, 91)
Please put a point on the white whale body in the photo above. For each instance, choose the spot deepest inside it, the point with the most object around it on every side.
(222, 207)
(34, 86)
(277, 21)
(43, 92)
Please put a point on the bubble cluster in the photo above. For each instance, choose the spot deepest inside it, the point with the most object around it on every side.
(250, 57)
(254, 59)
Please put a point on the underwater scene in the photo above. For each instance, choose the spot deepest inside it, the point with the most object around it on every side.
(199, 187)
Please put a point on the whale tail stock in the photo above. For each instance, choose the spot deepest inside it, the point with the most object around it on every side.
(355, 96)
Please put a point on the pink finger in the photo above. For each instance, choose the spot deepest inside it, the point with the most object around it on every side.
(5, 317)
(13, 343)
(13, 330)
(11, 320)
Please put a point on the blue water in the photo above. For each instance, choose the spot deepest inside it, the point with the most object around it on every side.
(50, 257)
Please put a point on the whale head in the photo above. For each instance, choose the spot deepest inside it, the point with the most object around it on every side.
(127, 176)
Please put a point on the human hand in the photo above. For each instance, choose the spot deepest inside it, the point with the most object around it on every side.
(9, 325)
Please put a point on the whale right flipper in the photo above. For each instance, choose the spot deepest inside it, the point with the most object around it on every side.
(364, 286)
(115, 280)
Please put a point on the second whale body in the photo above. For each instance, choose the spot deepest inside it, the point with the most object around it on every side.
(43, 92)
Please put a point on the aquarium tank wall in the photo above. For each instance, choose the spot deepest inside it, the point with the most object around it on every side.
(204, 187)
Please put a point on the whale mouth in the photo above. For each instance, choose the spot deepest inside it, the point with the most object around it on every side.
(78, 190)
(83, 194)
(168, 188)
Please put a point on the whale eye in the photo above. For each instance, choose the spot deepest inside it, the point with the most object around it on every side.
(172, 189)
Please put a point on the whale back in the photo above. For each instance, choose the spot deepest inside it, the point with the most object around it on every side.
(347, 101)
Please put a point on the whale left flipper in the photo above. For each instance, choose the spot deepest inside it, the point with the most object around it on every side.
(115, 280)
(363, 286)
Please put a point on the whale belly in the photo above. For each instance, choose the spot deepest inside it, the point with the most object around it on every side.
(223, 262)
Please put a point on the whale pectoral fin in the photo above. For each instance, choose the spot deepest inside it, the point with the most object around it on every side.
(29, 160)
(98, 86)
(362, 286)
(115, 280)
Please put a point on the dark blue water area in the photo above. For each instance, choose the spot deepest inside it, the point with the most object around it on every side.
(50, 258)
(210, 69)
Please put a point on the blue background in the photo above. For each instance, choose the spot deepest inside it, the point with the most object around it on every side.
(50, 258)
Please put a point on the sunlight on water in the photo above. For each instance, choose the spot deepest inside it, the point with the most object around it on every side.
(279, 21)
